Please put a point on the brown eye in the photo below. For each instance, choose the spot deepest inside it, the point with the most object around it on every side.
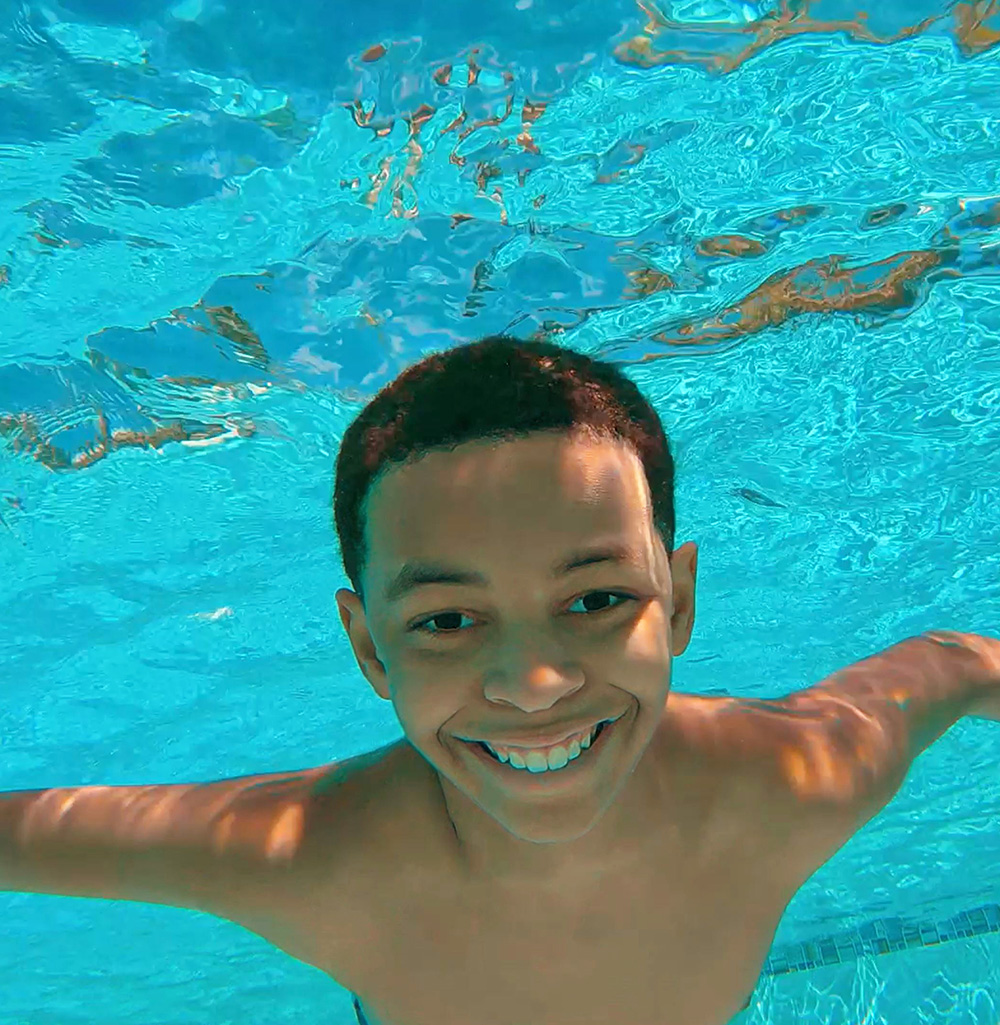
(450, 617)
(603, 607)
(448, 622)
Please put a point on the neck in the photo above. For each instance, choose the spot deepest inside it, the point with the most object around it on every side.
(587, 854)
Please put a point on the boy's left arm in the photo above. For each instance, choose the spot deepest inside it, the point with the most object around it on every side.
(886, 709)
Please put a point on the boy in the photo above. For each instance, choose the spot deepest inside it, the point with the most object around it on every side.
(559, 838)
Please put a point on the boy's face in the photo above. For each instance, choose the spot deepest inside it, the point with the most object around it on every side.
(522, 652)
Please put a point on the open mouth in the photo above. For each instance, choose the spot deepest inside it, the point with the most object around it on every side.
(484, 752)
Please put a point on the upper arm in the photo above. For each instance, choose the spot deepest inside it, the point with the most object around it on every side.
(225, 847)
(845, 752)
(830, 768)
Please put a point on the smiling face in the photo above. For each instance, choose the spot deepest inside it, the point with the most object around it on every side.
(518, 591)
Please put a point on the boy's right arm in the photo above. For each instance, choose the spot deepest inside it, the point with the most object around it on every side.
(230, 848)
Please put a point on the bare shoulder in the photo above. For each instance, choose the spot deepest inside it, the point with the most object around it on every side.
(347, 827)
(344, 805)
(806, 786)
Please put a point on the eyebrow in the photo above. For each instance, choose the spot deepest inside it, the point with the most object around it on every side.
(420, 574)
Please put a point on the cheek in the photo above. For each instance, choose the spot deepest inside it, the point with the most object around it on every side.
(644, 667)
(649, 639)
(424, 706)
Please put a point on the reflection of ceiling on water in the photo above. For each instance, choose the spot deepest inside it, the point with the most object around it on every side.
(332, 308)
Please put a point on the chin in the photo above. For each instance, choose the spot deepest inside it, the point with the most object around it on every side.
(546, 835)
(547, 828)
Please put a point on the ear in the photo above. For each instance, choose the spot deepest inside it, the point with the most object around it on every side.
(352, 615)
(683, 576)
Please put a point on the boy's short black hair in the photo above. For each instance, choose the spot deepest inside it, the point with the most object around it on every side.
(498, 388)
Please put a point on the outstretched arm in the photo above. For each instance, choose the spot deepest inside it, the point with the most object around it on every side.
(219, 847)
(886, 709)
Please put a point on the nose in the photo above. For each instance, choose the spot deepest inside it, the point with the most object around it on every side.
(531, 680)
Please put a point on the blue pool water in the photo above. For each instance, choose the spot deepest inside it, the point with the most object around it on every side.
(224, 226)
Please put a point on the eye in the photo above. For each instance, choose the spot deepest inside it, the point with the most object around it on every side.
(452, 617)
(613, 594)
(448, 617)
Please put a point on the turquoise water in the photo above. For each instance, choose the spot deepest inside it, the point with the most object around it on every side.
(223, 227)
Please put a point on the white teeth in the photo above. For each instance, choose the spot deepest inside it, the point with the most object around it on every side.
(554, 758)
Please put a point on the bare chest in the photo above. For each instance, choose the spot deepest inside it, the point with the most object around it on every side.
(677, 952)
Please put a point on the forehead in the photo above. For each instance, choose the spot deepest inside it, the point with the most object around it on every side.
(527, 496)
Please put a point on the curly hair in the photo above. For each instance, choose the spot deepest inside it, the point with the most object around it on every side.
(498, 388)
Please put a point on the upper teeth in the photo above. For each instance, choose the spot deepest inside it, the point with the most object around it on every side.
(545, 759)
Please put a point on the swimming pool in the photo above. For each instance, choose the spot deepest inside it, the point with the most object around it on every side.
(224, 228)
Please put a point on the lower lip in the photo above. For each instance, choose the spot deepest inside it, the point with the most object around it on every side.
(546, 780)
